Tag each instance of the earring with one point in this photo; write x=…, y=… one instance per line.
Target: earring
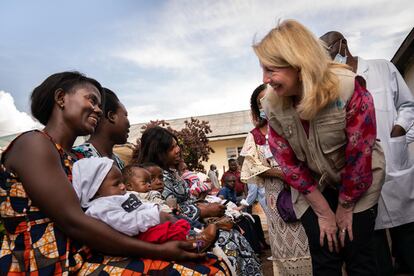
x=61, y=105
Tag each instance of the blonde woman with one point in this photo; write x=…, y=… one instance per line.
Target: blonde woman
x=288, y=241
x=322, y=133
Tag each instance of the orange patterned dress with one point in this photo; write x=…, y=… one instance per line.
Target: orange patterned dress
x=34, y=245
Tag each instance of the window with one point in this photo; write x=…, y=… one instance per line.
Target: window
x=233, y=152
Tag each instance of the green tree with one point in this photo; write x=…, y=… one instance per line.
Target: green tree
x=192, y=140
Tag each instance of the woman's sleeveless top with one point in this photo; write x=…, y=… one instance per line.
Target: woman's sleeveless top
x=33, y=243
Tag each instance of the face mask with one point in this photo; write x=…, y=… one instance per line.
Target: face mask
x=262, y=114
x=340, y=58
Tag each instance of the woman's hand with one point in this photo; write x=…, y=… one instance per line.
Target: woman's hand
x=328, y=228
x=326, y=219
x=211, y=210
x=180, y=251
x=344, y=222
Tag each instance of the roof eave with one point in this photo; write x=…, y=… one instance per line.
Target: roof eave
x=404, y=54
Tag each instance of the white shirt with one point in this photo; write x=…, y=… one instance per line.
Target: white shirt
x=394, y=104
x=212, y=175
x=125, y=213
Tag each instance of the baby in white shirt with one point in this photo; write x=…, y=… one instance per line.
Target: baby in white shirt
x=100, y=188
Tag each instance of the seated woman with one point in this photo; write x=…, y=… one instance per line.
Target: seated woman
x=113, y=129
x=47, y=234
x=160, y=146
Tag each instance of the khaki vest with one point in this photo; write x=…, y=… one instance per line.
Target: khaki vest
x=324, y=150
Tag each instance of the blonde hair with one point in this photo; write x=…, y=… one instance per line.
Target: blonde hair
x=291, y=44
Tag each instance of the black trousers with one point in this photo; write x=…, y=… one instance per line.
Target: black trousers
x=403, y=244
x=402, y=238
x=383, y=253
x=358, y=255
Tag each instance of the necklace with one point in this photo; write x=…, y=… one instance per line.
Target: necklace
x=71, y=155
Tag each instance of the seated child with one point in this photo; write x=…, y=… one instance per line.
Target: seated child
x=157, y=178
x=157, y=187
x=251, y=227
x=199, y=188
x=138, y=178
x=228, y=192
x=99, y=186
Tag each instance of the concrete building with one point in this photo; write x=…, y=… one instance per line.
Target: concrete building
x=229, y=130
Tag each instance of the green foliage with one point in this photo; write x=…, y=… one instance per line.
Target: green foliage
x=192, y=140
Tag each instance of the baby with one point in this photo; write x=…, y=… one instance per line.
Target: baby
x=99, y=186
x=157, y=178
x=147, y=181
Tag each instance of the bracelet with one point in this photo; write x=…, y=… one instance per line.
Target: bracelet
x=347, y=204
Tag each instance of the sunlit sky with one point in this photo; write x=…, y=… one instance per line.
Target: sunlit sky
x=170, y=59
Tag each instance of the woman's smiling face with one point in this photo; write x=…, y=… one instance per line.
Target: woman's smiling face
x=284, y=80
x=82, y=108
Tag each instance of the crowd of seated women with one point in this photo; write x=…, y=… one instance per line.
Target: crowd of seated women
x=47, y=230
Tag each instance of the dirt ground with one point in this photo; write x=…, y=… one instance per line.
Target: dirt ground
x=267, y=266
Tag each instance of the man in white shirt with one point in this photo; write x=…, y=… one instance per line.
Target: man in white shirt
x=213, y=176
x=394, y=109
